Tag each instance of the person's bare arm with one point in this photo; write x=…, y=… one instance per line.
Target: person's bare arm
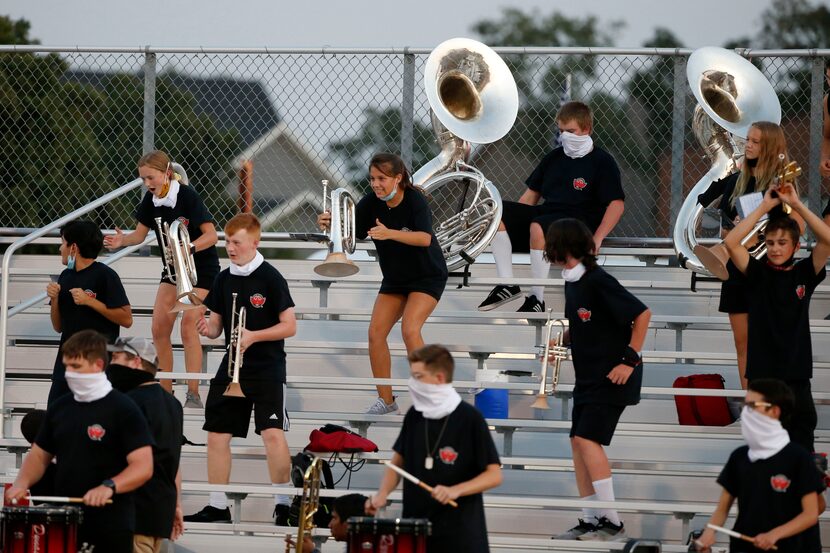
x=139, y=469
x=530, y=197
x=34, y=465
x=387, y=484
x=122, y=316
x=612, y=216
x=707, y=539
x=120, y=240
x=737, y=252
x=491, y=477
x=208, y=238
x=285, y=328
x=821, y=252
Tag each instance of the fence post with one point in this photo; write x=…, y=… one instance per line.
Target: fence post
x=408, y=109
x=678, y=136
x=816, y=121
x=149, y=101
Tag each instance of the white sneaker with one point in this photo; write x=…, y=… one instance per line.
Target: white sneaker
x=380, y=407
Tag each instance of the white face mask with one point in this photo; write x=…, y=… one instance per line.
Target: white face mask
x=575, y=145
x=574, y=274
x=764, y=435
x=434, y=401
x=390, y=195
x=170, y=199
x=88, y=387
x=248, y=268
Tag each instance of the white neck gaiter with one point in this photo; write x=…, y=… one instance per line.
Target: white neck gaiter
x=764, y=435
x=434, y=401
x=248, y=268
x=87, y=387
x=575, y=145
x=170, y=199
x=574, y=274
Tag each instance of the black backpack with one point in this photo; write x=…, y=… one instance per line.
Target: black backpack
x=299, y=464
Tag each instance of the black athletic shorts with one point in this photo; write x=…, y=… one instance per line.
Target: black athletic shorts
x=232, y=415
x=432, y=286
x=595, y=421
x=204, y=277
x=733, y=292
x=518, y=217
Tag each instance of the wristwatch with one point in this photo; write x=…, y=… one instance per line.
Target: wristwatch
x=631, y=357
x=109, y=484
x=192, y=249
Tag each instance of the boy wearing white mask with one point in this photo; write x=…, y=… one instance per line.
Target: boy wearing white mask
x=446, y=444
x=102, y=443
x=576, y=180
x=774, y=480
x=608, y=378
x=257, y=286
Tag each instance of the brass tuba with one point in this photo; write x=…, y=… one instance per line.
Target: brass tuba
x=731, y=94
x=309, y=504
x=175, y=251
x=473, y=98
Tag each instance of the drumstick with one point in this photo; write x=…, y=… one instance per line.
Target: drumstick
x=56, y=499
x=734, y=534
x=414, y=480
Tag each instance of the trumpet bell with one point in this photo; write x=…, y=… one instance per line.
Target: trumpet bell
x=471, y=90
x=336, y=265
x=186, y=302
x=541, y=402
x=233, y=390
x=714, y=259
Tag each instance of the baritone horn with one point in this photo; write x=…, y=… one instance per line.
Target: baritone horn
x=175, y=250
x=731, y=94
x=238, y=320
x=308, y=505
x=473, y=99
x=559, y=352
x=342, y=234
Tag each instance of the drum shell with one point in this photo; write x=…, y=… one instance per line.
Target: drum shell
x=39, y=529
x=394, y=535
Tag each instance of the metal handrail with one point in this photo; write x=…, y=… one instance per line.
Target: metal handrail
x=31, y=237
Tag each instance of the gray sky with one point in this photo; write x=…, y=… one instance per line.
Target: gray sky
x=355, y=23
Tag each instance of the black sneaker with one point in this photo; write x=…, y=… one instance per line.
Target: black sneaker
x=577, y=531
x=499, y=296
x=281, y=513
x=605, y=531
x=210, y=514
x=532, y=305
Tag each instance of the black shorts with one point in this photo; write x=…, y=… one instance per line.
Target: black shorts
x=518, y=217
x=232, y=415
x=204, y=276
x=803, y=420
x=433, y=286
x=595, y=421
x=733, y=292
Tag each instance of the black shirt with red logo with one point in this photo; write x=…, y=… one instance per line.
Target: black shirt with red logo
x=99, y=282
x=600, y=313
x=581, y=187
x=264, y=294
x=91, y=442
x=779, y=344
x=190, y=210
x=769, y=493
x=460, y=450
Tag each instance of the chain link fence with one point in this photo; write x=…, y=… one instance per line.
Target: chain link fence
x=74, y=123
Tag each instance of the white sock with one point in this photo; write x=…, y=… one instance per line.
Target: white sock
x=605, y=492
x=502, y=250
x=280, y=499
x=218, y=500
x=589, y=514
x=539, y=268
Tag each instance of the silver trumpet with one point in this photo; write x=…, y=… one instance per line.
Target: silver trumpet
x=234, y=353
x=560, y=353
x=175, y=251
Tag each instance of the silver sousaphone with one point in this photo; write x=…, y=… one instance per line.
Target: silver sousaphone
x=731, y=94
x=474, y=99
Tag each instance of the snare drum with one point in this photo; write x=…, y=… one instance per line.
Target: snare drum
x=39, y=529
x=388, y=535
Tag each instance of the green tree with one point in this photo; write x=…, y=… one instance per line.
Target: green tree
x=795, y=24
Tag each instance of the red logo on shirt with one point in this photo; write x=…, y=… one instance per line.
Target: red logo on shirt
x=779, y=482
x=580, y=183
x=584, y=314
x=90, y=293
x=95, y=432
x=184, y=220
x=800, y=290
x=448, y=455
x=257, y=300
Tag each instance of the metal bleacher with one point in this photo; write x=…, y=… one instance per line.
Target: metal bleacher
x=664, y=472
